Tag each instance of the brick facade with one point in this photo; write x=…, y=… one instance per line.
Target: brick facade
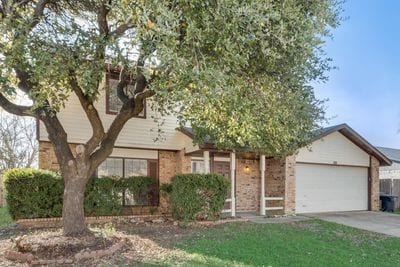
x=247, y=185
x=280, y=179
x=374, y=185
x=290, y=185
x=167, y=166
x=47, y=157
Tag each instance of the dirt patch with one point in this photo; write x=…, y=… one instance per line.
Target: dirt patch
x=146, y=242
x=53, y=245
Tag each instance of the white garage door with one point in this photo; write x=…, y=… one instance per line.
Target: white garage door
x=324, y=188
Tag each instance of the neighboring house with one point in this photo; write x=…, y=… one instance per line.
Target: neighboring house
x=338, y=172
x=393, y=171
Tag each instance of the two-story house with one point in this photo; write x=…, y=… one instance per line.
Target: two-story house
x=338, y=172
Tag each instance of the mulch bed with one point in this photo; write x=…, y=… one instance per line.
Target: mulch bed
x=52, y=245
x=143, y=242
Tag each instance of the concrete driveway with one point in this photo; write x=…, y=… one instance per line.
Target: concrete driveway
x=380, y=222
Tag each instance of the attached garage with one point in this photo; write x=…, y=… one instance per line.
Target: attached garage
x=324, y=188
x=333, y=173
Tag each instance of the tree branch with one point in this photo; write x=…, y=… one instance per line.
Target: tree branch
x=91, y=113
x=38, y=12
x=121, y=29
x=24, y=80
x=14, y=108
x=58, y=137
x=102, y=19
x=128, y=111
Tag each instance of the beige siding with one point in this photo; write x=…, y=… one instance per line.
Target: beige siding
x=137, y=133
x=135, y=153
x=334, y=149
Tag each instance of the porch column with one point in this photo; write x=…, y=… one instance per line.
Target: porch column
x=206, y=158
x=233, y=173
x=262, y=199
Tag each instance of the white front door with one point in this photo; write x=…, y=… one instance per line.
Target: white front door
x=326, y=188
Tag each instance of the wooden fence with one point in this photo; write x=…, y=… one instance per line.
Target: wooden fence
x=392, y=187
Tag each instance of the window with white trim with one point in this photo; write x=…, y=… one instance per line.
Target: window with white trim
x=128, y=167
x=197, y=166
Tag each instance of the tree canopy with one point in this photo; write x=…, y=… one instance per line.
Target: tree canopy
x=238, y=71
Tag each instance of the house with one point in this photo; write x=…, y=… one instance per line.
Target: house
x=393, y=171
x=338, y=172
x=390, y=175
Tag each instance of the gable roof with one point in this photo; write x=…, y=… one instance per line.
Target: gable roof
x=344, y=129
x=392, y=153
x=357, y=139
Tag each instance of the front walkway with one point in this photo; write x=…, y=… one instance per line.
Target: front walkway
x=256, y=218
x=380, y=222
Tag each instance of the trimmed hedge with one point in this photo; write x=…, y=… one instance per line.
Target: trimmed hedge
x=38, y=193
x=198, y=196
x=33, y=193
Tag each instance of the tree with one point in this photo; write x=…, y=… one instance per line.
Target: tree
x=238, y=71
x=18, y=146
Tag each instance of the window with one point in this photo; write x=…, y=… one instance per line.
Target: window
x=126, y=167
x=113, y=103
x=197, y=166
x=111, y=167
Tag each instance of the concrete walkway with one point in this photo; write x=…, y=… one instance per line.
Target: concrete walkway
x=255, y=218
x=380, y=222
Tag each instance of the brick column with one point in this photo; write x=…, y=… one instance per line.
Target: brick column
x=262, y=191
x=374, y=184
x=290, y=185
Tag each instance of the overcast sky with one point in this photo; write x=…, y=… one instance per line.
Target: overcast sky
x=364, y=91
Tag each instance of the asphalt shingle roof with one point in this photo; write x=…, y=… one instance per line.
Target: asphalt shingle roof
x=392, y=153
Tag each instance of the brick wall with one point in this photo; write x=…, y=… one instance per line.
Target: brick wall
x=47, y=157
x=290, y=185
x=374, y=185
x=167, y=167
x=247, y=185
x=275, y=173
x=183, y=162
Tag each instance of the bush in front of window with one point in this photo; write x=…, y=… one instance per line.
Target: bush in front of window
x=38, y=193
x=103, y=196
x=198, y=196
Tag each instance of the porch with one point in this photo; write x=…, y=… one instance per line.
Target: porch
x=260, y=185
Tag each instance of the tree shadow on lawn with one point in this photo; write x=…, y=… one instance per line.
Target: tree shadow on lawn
x=308, y=243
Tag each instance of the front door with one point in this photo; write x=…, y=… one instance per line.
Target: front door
x=223, y=168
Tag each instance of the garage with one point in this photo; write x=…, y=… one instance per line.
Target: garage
x=332, y=173
x=325, y=188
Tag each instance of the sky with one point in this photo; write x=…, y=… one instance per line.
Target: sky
x=364, y=90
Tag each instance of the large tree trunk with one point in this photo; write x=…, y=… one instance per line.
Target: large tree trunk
x=73, y=206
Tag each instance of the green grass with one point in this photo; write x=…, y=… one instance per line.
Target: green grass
x=5, y=218
x=310, y=243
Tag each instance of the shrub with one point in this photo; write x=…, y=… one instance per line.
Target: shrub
x=103, y=196
x=33, y=193
x=38, y=194
x=140, y=187
x=198, y=196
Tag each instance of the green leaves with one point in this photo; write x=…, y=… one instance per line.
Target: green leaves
x=237, y=71
x=197, y=196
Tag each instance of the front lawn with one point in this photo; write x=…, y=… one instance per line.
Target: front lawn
x=5, y=218
x=306, y=243
x=309, y=243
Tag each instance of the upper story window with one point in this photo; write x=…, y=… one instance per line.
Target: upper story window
x=113, y=103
